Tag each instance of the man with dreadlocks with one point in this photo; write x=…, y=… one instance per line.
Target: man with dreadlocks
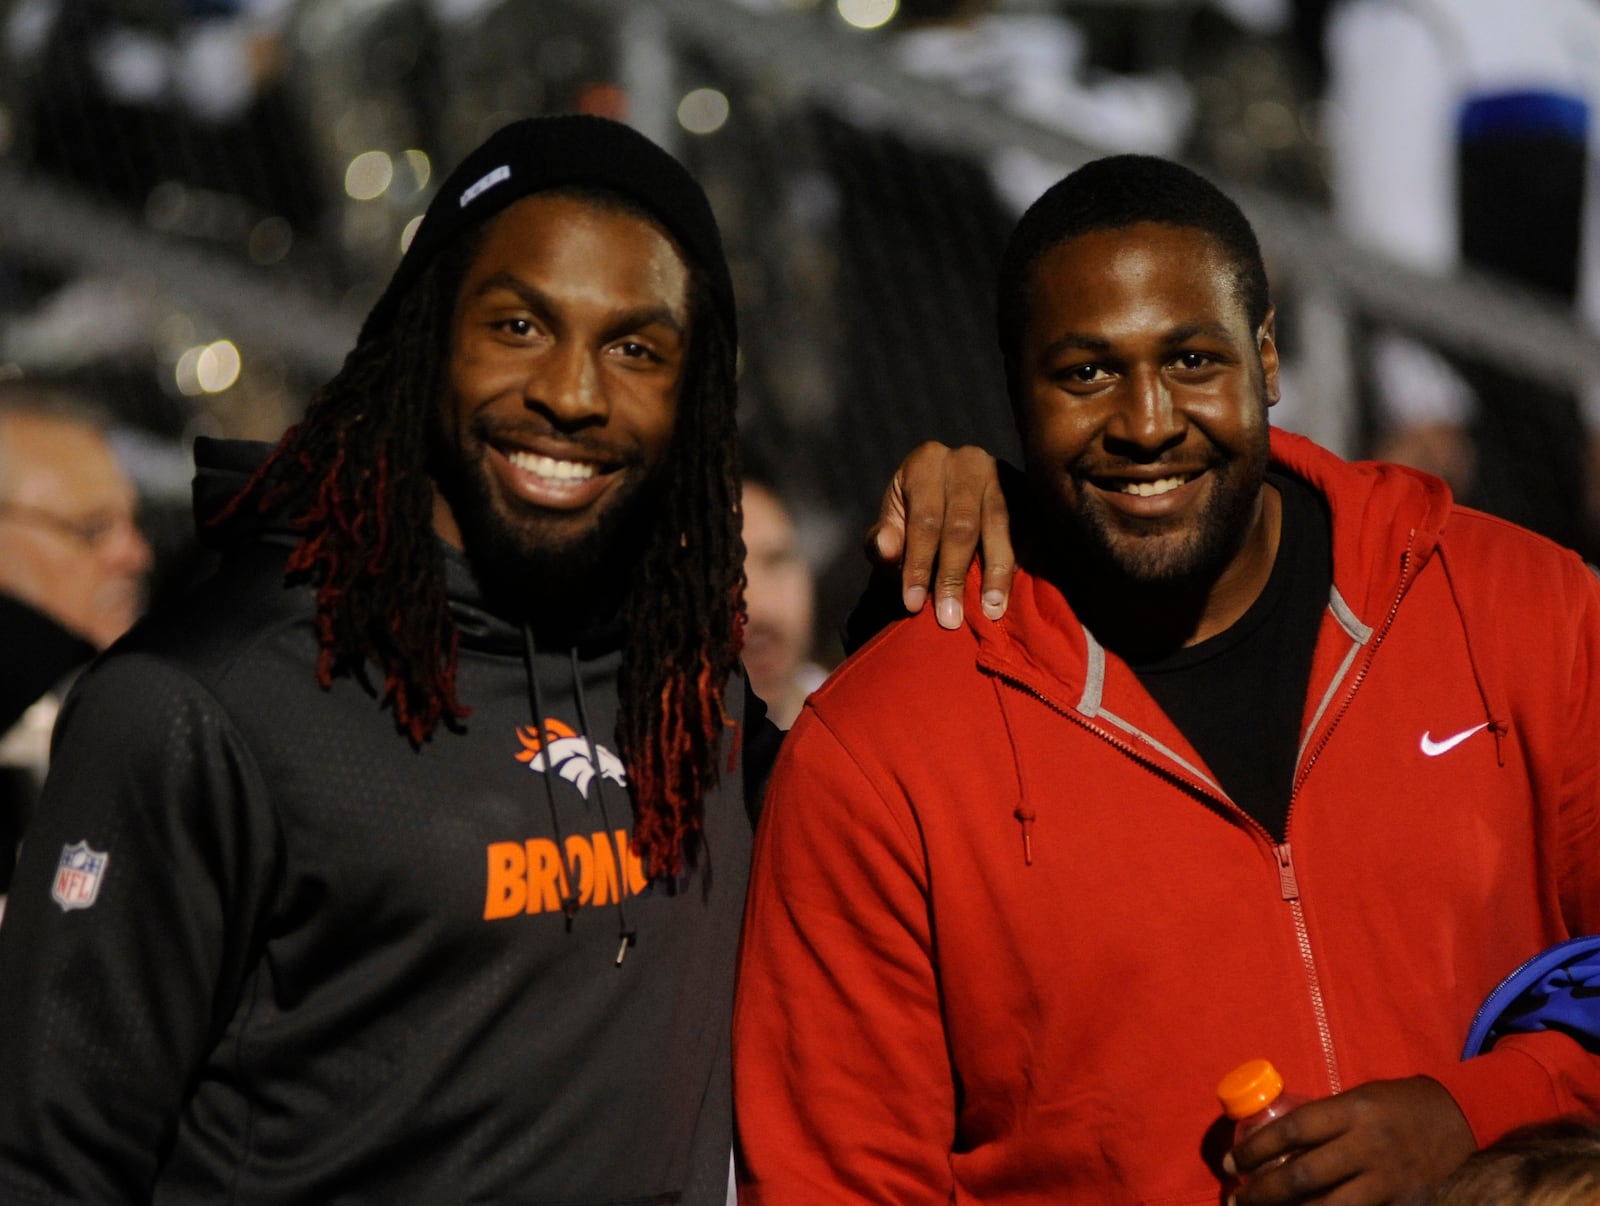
x=264, y=948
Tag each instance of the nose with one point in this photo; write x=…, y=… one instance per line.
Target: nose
x=1147, y=421
x=757, y=586
x=566, y=385
x=126, y=550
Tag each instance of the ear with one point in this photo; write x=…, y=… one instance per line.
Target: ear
x=1267, y=346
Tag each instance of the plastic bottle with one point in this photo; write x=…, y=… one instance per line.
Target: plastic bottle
x=1252, y=1095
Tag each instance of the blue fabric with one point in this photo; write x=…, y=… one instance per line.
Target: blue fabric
x=1558, y=989
x=1524, y=114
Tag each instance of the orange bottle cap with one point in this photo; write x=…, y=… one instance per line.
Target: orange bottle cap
x=1249, y=1087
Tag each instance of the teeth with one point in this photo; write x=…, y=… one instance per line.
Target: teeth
x=1151, y=489
x=548, y=466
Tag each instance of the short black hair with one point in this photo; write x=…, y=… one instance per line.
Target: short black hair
x=1110, y=194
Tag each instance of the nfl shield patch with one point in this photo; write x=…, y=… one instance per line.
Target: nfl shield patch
x=78, y=876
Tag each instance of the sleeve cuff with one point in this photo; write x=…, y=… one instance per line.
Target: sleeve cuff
x=1501, y=1090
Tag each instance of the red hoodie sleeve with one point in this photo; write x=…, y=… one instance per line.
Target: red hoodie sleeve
x=1528, y=1078
x=1525, y=1078
x=842, y=1082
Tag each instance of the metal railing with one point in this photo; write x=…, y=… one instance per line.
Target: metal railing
x=816, y=63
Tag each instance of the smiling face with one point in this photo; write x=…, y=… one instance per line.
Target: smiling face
x=569, y=343
x=1142, y=401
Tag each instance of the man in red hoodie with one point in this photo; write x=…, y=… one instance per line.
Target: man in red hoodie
x=1271, y=756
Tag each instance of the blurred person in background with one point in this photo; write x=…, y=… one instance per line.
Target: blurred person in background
x=73, y=566
x=70, y=544
x=1462, y=133
x=1036, y=62
x=176, y=95
x=780, y=601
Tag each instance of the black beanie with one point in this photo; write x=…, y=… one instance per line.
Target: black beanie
x=541, y=153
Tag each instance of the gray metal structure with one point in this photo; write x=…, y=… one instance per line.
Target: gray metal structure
x=786, y=62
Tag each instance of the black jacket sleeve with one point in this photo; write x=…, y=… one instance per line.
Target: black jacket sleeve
x=115, y=987
x=39, y=653
x=762, y=740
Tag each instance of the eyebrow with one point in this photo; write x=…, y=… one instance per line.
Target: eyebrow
x=1075, y=340
x=541, y=304
x=1199, y=330
x=1096, y=345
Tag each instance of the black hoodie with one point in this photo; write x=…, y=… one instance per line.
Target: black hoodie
x=261, y=949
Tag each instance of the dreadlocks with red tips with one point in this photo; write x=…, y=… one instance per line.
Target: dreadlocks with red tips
x=354, y=477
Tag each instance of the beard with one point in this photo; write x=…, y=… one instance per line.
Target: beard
x=1127, y=556
x=1193, y=557
x=533, y=567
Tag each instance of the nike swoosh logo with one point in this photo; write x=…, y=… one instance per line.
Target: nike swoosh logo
x=1434, y=748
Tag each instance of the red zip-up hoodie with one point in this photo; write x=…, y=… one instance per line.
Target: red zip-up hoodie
x=1005, y=931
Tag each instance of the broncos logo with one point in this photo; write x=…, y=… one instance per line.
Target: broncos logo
x=561, y=747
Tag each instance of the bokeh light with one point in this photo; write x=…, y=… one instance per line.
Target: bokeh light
x=369, y=175
x=703, y=111
x=209, y=369
x=421, y=167
x=868, y=14
x=270, y=240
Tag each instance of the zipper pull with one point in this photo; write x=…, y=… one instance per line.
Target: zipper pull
x=1025, y=817
x=1286, y=880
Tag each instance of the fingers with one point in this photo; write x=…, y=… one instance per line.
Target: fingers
x=975, y=517
x=1375, y=1143
x=965, y=482
x=942, y=506
x=1309, y=1175
x=1305, y=1126
x=910, y=518
x=999, y=562
x=886, y=537
x=1292, y=1158
x=927, y=494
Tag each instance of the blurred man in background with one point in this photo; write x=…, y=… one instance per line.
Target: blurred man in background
x=1460, y=135
x=780, y=598
x=70, y=549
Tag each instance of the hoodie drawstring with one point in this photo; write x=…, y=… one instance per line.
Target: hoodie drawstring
x=569, y=898
x=625, y=933
x=569, y=901
x=1023, y=812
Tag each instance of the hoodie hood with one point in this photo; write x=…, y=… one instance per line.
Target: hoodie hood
x=1382, y=514
x=221, y=469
